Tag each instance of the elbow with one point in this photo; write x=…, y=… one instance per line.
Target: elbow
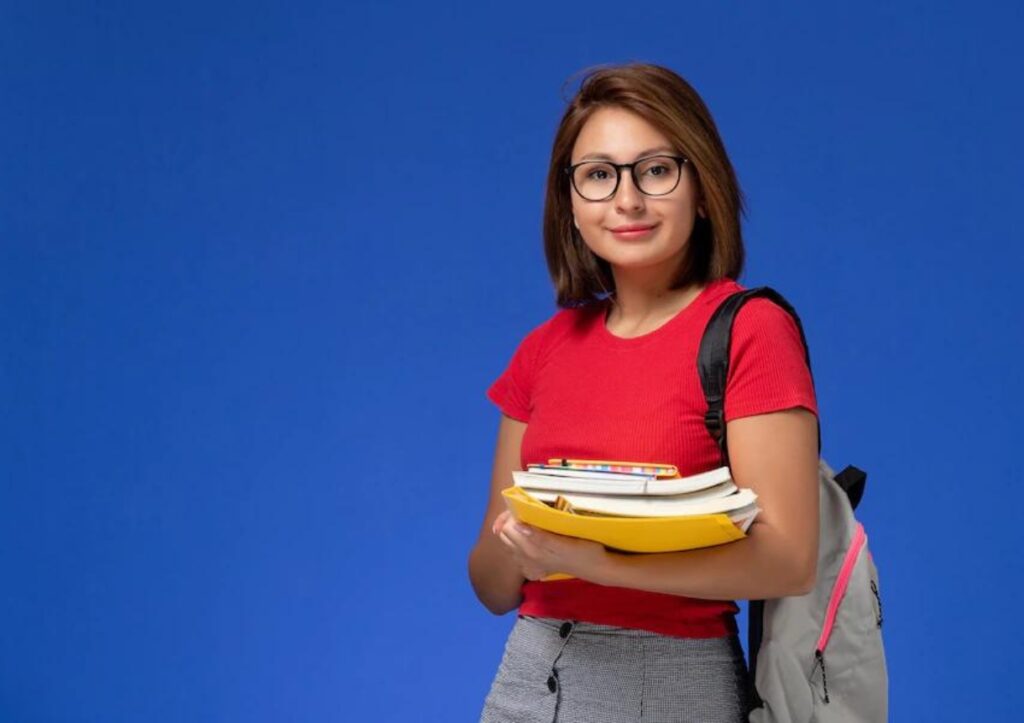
x=500, y=607
x=796, y=574
x=804, y=568
x=804, y=588
x=498, y=596
x=793, y=570
x=496, y=602
x=806, y=576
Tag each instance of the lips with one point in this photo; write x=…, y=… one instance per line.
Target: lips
x=633, y=231
x=633, y=227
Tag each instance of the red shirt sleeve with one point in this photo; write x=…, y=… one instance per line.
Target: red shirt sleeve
x=767, y=369
x=512, y=391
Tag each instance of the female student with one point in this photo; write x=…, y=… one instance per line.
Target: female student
x=642, y=239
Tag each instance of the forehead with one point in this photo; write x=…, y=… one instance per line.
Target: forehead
x=618, y=134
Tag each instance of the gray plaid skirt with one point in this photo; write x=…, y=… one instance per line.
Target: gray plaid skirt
x=578, y=672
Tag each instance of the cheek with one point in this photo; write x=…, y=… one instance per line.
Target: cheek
x=582, y=214
x=591, y=220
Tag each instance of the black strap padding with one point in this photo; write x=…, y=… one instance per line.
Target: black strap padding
x=852, y=480
x=755, y=631
x=713, y=358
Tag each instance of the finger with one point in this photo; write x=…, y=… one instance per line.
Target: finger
x=499, y=522
x=511, y=544
x=527, y=567
x=538, y=539
x=506, y=540
x=507, y=521
x=525, y=543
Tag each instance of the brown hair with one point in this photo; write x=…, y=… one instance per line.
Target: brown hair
x=670, y=104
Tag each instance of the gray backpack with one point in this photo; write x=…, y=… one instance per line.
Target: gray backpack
x=815, y=657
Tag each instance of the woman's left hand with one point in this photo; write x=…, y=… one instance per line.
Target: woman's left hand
x=541, y=553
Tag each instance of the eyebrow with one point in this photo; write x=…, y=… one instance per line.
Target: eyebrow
x=641, y=154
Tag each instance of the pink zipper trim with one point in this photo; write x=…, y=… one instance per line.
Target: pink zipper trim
x=839, y=588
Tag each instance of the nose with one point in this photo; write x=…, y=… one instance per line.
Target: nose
x=628, y=197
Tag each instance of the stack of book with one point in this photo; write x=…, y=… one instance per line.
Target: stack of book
x=632, y=506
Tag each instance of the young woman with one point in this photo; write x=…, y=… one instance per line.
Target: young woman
x=642, y=238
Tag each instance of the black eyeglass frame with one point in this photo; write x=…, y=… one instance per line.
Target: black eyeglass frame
x=570, y=171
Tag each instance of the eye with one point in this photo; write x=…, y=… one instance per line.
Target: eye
x=656, y=170
x=598, y=174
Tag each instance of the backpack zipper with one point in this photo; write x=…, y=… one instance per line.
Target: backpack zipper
x=838, y=590
x=874, y=589
x=820, y=657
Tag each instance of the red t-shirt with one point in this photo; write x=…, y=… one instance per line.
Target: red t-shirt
x=588, y=394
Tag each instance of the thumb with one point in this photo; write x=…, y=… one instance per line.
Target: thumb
x=499, y=521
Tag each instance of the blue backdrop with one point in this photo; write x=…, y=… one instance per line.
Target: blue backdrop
x=259, y=262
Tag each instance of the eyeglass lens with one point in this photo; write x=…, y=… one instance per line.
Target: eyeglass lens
x=657, y=175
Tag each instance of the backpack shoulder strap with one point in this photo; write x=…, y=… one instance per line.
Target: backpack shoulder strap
x=713, y=358
x=713, y=365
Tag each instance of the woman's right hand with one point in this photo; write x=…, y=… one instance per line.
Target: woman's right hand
x=528, y=569
x=493, y=571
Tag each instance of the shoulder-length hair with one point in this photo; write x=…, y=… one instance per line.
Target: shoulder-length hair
x=670, y=104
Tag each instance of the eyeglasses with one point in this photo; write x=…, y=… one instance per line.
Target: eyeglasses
x=599, y=180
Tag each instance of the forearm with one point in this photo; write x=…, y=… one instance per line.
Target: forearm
x=756, y=567
x=496, y=578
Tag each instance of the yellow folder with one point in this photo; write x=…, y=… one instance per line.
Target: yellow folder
x=629, y=534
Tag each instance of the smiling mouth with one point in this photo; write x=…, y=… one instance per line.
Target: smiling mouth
x=633, y=233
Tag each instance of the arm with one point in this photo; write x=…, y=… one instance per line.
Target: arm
x=775, y=455
x=493, y=571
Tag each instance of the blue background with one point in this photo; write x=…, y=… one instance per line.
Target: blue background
x=259, y=262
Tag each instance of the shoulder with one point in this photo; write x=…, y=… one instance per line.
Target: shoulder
x=761, y=308
x=761, y=326
x=768, y=367
x=559, y=326
x=561, y=323
x=541, y=335
x=758, y=315
x=762, y=317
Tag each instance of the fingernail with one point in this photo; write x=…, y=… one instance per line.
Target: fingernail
x=524, y=529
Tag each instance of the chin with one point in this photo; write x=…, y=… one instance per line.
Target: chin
x=640, y=257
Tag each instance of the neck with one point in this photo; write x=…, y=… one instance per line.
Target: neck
x=643, y=294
